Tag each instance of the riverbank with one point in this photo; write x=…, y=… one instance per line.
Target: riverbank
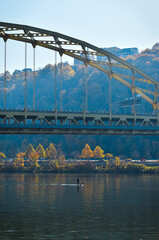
x=86, y=167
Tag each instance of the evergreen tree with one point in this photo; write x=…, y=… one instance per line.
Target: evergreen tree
x=51, y=152
x=98, y=152
x=40, y=150
x=87, y=152
x=29, y=150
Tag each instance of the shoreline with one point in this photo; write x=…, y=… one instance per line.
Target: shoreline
x=85, y=168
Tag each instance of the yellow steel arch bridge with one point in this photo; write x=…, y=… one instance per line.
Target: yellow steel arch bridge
x=59, y=122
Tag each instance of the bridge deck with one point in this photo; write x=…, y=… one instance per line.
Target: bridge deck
x=53, y=122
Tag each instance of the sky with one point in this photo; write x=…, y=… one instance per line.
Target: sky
x=103, y=23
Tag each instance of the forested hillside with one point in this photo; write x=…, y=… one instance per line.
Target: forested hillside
x=130, y=146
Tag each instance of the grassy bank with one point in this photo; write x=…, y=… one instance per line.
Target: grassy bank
x=86, y=167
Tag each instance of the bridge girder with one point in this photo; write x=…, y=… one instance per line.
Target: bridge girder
x=82, y=51
x=48, y=122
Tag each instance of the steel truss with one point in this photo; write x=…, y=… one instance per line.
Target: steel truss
x=84, y=51
x=40, y=122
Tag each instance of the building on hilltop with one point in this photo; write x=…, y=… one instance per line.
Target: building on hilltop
x=124, y=52
x=128, y=52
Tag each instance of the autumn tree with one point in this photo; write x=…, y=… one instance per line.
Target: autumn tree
x=19, y=160
x=2, y=156
x=29, y=150
x=61, y=159
x=40, y=150
x=117, y=161
x=87, y=152
x=68, y=71
x=98, y=152
x=109, y=156
x=51, y=152
x=34, y=159
x=54, y=165
x=107, y=164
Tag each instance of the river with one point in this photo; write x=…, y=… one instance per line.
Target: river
x=51, y=206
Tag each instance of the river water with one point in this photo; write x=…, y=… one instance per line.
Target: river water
x=50, y=206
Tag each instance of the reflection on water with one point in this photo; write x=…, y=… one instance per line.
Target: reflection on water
x=50, y=206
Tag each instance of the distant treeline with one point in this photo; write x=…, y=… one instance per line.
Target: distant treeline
x=52, y=153
x=135, y=147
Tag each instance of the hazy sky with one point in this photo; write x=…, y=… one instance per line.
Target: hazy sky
x=121, y=23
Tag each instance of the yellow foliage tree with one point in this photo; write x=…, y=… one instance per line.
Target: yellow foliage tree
x=19, y=160
x=109, y=155
x=61, y=158
x=56, y=164
x=2, y=156
x=40, y=150
x=107, y=164
x=29, y=150
x=98, y=152
x=68, y=72
x=117, y=161
x=51, y=152
x=34, y=159
x=87, y=152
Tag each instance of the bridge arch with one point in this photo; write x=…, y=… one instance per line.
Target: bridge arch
x=83, y=51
